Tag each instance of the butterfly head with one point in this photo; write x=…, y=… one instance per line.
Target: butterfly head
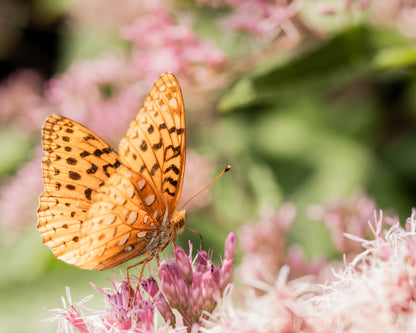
x=178, y=221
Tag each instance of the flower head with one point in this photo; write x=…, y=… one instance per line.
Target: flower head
x=263, y=243
x=192, y=286
x=194, y=290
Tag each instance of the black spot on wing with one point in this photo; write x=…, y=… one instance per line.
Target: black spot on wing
x=84, y=154
x=170, y=180
x=74, y=175
x=93, y=169
x=172, y=152
x=172, y=194
x=155, y=167
x=115, y=165
x=172, y=167
x=69, y=160
x=143, y=146
x=89, y=137
x=88, y=193
x=158, y=145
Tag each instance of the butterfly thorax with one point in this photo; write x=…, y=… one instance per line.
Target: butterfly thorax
x=166, y=234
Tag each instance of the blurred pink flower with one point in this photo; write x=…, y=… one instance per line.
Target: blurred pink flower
x=325, y=8
x=160, y=44
x=373, y=292
x=21, y=101
x=19, y=198
x=102, y=94
x=347, y=217
x=264, y=243
x=299, y=265
x=265, y=19
x=198, y=171
x=112, y=15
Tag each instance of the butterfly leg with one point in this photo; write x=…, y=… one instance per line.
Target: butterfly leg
x=144, y=262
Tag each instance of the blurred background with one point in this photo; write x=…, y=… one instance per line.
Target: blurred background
x=309, y=101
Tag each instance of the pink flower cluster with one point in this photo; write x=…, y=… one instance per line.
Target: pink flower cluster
x=264, y=19
x=193, y=289
x=160, y=45
x=376, y=290
x=348, y=217
x=264, y=246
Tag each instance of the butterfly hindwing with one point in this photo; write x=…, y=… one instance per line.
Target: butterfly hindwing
x=155, y=142
x=122, y=222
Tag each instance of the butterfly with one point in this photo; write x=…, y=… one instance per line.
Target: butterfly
x=99, y=208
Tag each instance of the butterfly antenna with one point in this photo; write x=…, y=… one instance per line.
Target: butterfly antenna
x=228, y=168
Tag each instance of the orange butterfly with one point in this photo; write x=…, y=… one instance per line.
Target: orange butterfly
x=99, y=208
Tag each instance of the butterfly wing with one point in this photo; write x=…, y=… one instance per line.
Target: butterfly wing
x=155, y=141
x=76, y=165
x=121, y=223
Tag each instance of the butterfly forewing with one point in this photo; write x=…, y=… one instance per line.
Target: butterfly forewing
x=155, y=142
x=100, y=209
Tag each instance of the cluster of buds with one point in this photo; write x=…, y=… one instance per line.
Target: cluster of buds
x=192, y=286
x=192, y=289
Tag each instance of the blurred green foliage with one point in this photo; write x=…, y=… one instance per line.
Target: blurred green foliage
x=323, y=123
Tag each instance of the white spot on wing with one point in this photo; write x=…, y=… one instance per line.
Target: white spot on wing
x=109, y=219
x=132, y=217
x=119, y=199
x=141, y=234
x=128, y=248
x=150, y=199
x=141, y=183
x=130, y=191
x=124, y=239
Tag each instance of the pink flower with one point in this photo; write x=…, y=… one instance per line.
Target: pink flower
x=263, y=243
x=324, y=8
x=300, y=266
x=102, y=94
x=21, y=100
x=193, y=290
x=19, y=198
x=198, y=174
x=264, y=19
x=152, y=288
x=112, y=15
x=372, y=292
x=160, y=45
x=346, y=217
